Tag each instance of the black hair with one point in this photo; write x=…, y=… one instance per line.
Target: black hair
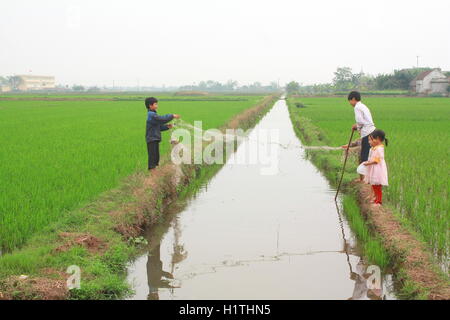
x=150, y=101
x=379, y=134
x=354, y=94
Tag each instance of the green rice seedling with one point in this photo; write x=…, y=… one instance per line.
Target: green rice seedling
x=373, y=248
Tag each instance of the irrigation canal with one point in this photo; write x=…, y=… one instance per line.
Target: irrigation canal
x=248, y=235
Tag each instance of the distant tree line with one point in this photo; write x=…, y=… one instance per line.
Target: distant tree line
x=345, y=80
x=3, y=81
x=11, y=81
x=230, y=85
x=79, y=88
x=206, y=86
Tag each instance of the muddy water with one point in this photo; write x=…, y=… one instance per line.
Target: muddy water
x=252, y=236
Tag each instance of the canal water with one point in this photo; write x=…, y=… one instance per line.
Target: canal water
x=252, y=235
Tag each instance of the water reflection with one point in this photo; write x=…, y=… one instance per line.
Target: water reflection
x=361, y=290
x=157, y=278
x=163, y=278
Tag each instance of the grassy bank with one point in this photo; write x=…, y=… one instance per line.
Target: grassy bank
x=102, y=236
x=319, y=122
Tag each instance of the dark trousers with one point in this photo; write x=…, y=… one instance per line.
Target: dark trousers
x=365, y=148
x=153, y=154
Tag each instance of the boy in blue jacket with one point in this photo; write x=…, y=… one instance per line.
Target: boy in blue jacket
x=155, y=124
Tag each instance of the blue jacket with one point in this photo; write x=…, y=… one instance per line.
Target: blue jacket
x=156, y=124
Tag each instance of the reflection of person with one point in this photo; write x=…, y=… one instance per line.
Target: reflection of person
x=361, y=290
x=155, y=273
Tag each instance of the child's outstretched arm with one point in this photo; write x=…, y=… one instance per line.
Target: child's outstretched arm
x=164, y=127
x=163, y=119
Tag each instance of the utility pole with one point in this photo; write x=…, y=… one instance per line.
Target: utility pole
x=417, y=61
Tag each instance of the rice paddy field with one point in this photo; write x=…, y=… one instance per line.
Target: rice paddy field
x=417, y=155
x=59, y=153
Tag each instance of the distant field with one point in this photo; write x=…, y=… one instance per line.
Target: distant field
x=417, y=156
x=58, y=155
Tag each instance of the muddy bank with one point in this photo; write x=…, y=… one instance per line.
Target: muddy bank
x=104, y=235
x=417, y=274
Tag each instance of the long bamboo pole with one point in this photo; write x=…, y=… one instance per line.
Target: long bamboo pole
x=345, y=162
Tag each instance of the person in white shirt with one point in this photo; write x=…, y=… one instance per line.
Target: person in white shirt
x=364, y=124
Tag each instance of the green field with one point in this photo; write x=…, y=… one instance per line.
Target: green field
x=417, y=155
x=57, y=156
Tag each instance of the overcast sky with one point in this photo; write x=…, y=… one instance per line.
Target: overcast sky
x=172, y=42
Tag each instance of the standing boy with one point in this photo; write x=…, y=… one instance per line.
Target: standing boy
x=364, y=124
x=155, y=124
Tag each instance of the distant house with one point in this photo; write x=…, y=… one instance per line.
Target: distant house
x=430, y=82
x=32, y=82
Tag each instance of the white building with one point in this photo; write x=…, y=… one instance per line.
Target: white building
x=32, y=82
x=430, y=82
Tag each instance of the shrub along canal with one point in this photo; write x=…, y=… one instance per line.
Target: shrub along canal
x=246, y=235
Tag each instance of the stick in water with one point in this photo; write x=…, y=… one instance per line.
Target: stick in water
x=343, y=167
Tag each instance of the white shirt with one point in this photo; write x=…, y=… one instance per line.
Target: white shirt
x=363, y=119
